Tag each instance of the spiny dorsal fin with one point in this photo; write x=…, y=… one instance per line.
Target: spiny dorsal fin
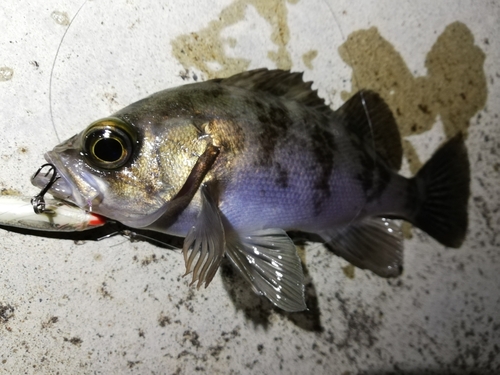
x=370, y=118
x=281, y=83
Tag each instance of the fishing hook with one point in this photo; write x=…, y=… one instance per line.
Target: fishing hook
x=37, y=201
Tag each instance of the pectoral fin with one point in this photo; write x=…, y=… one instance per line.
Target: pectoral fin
x=205, y=243
x=268, y=260
x=375, y=244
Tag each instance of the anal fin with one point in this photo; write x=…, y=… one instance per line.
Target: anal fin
x=268, y=260
x=374, y=243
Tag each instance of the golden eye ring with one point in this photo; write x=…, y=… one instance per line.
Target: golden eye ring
x=108, y=143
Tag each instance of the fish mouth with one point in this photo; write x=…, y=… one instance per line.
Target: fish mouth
x=64, y=187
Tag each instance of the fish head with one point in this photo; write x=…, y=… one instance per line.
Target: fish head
x=126, y=168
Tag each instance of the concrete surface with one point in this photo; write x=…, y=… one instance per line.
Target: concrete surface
x=116, y=306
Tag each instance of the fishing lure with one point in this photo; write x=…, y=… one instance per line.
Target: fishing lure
x=57, y=216
x=39, y=213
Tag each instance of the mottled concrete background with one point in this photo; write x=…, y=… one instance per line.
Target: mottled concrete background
x=115, y=306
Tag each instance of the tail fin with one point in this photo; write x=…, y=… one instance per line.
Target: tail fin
x=443, y=188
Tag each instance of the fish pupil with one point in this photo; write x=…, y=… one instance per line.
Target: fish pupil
x=108, y=149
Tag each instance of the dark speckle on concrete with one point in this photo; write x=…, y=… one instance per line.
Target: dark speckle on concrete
x=50, y=322
x=73, y=340
x=163, y=320
x=132, y=364
x=6, y=312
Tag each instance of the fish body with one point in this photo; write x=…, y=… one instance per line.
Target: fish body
x=233, y=164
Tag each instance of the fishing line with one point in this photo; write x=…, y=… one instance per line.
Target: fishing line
x=363, y=101
x=37, y=202
x=132, y=236
x=53, y=66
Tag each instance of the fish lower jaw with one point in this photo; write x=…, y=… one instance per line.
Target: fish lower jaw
x=66, y=189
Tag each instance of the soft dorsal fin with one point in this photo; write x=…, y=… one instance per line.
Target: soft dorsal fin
x=370, y=118
x=280, y=83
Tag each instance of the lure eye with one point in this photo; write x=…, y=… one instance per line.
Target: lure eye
x=108, y=143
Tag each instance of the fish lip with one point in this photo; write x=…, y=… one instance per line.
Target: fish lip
x=61, y=189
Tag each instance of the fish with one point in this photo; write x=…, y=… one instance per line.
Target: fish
x=233, y=165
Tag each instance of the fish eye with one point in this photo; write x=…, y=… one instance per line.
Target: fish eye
x=108, y=143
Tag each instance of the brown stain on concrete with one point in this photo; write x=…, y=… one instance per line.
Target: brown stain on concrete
x=201, y=48
x=453, y=89
x=349, y=271
x=308, y=58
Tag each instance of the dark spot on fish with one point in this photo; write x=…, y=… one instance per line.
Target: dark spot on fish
x=282, y=179
x=365, y=177
x=263, y=118
x=280, y=117
x=275, y=125
x=257, y=105
x=414, y=193
x=381, y=178
x=323, y=145
x=180, y=105
x=374, y=174
x=149, y=188
x=214, y=92
x=365, y=160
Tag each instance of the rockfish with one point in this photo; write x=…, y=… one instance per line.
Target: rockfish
x=233, y=164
